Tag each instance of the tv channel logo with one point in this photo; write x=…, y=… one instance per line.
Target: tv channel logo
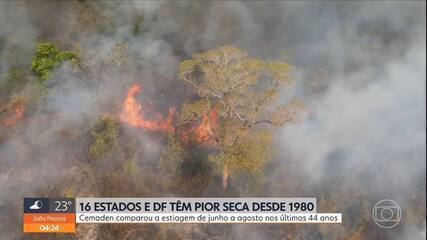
x=387, y=213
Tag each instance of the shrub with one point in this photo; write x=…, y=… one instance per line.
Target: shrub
x=104, y=132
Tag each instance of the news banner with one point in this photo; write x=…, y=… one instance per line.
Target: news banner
x=61, y=214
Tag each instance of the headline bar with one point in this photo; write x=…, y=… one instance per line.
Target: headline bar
x=195, y=205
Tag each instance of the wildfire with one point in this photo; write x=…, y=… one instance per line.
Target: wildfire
x=204, y=132
x=133, y=114
x=14, y=111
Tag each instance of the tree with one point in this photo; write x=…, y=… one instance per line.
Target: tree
x=46, y=58
x=242, y=91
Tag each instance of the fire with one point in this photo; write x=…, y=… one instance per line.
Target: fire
x=204, y=132
x=14, y=111
x=133, y=114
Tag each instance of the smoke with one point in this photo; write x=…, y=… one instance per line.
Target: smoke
x=370, y=118
x=360, y=69
x=383, y=123
x=13, y=16
x=366, y=125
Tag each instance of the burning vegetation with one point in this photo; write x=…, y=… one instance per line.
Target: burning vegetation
x=12, y=111
x=77, y=118
x=134, y=114
x=233, y=92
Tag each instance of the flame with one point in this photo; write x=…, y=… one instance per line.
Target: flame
x=133, y=114
x=204, y=132
x=14, y=111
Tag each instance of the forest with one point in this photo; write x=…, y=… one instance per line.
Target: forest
x=215, y=99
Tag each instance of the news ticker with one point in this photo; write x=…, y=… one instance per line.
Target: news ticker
x=61, y=214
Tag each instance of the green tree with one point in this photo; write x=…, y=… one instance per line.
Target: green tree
x=47, y=57
x=243, y=91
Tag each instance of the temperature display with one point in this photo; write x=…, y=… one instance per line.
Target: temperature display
x=49, y=215
x=62, y=206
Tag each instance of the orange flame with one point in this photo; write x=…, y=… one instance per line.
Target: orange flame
x=204, y=132
x=14, y=111
x=133, y=114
